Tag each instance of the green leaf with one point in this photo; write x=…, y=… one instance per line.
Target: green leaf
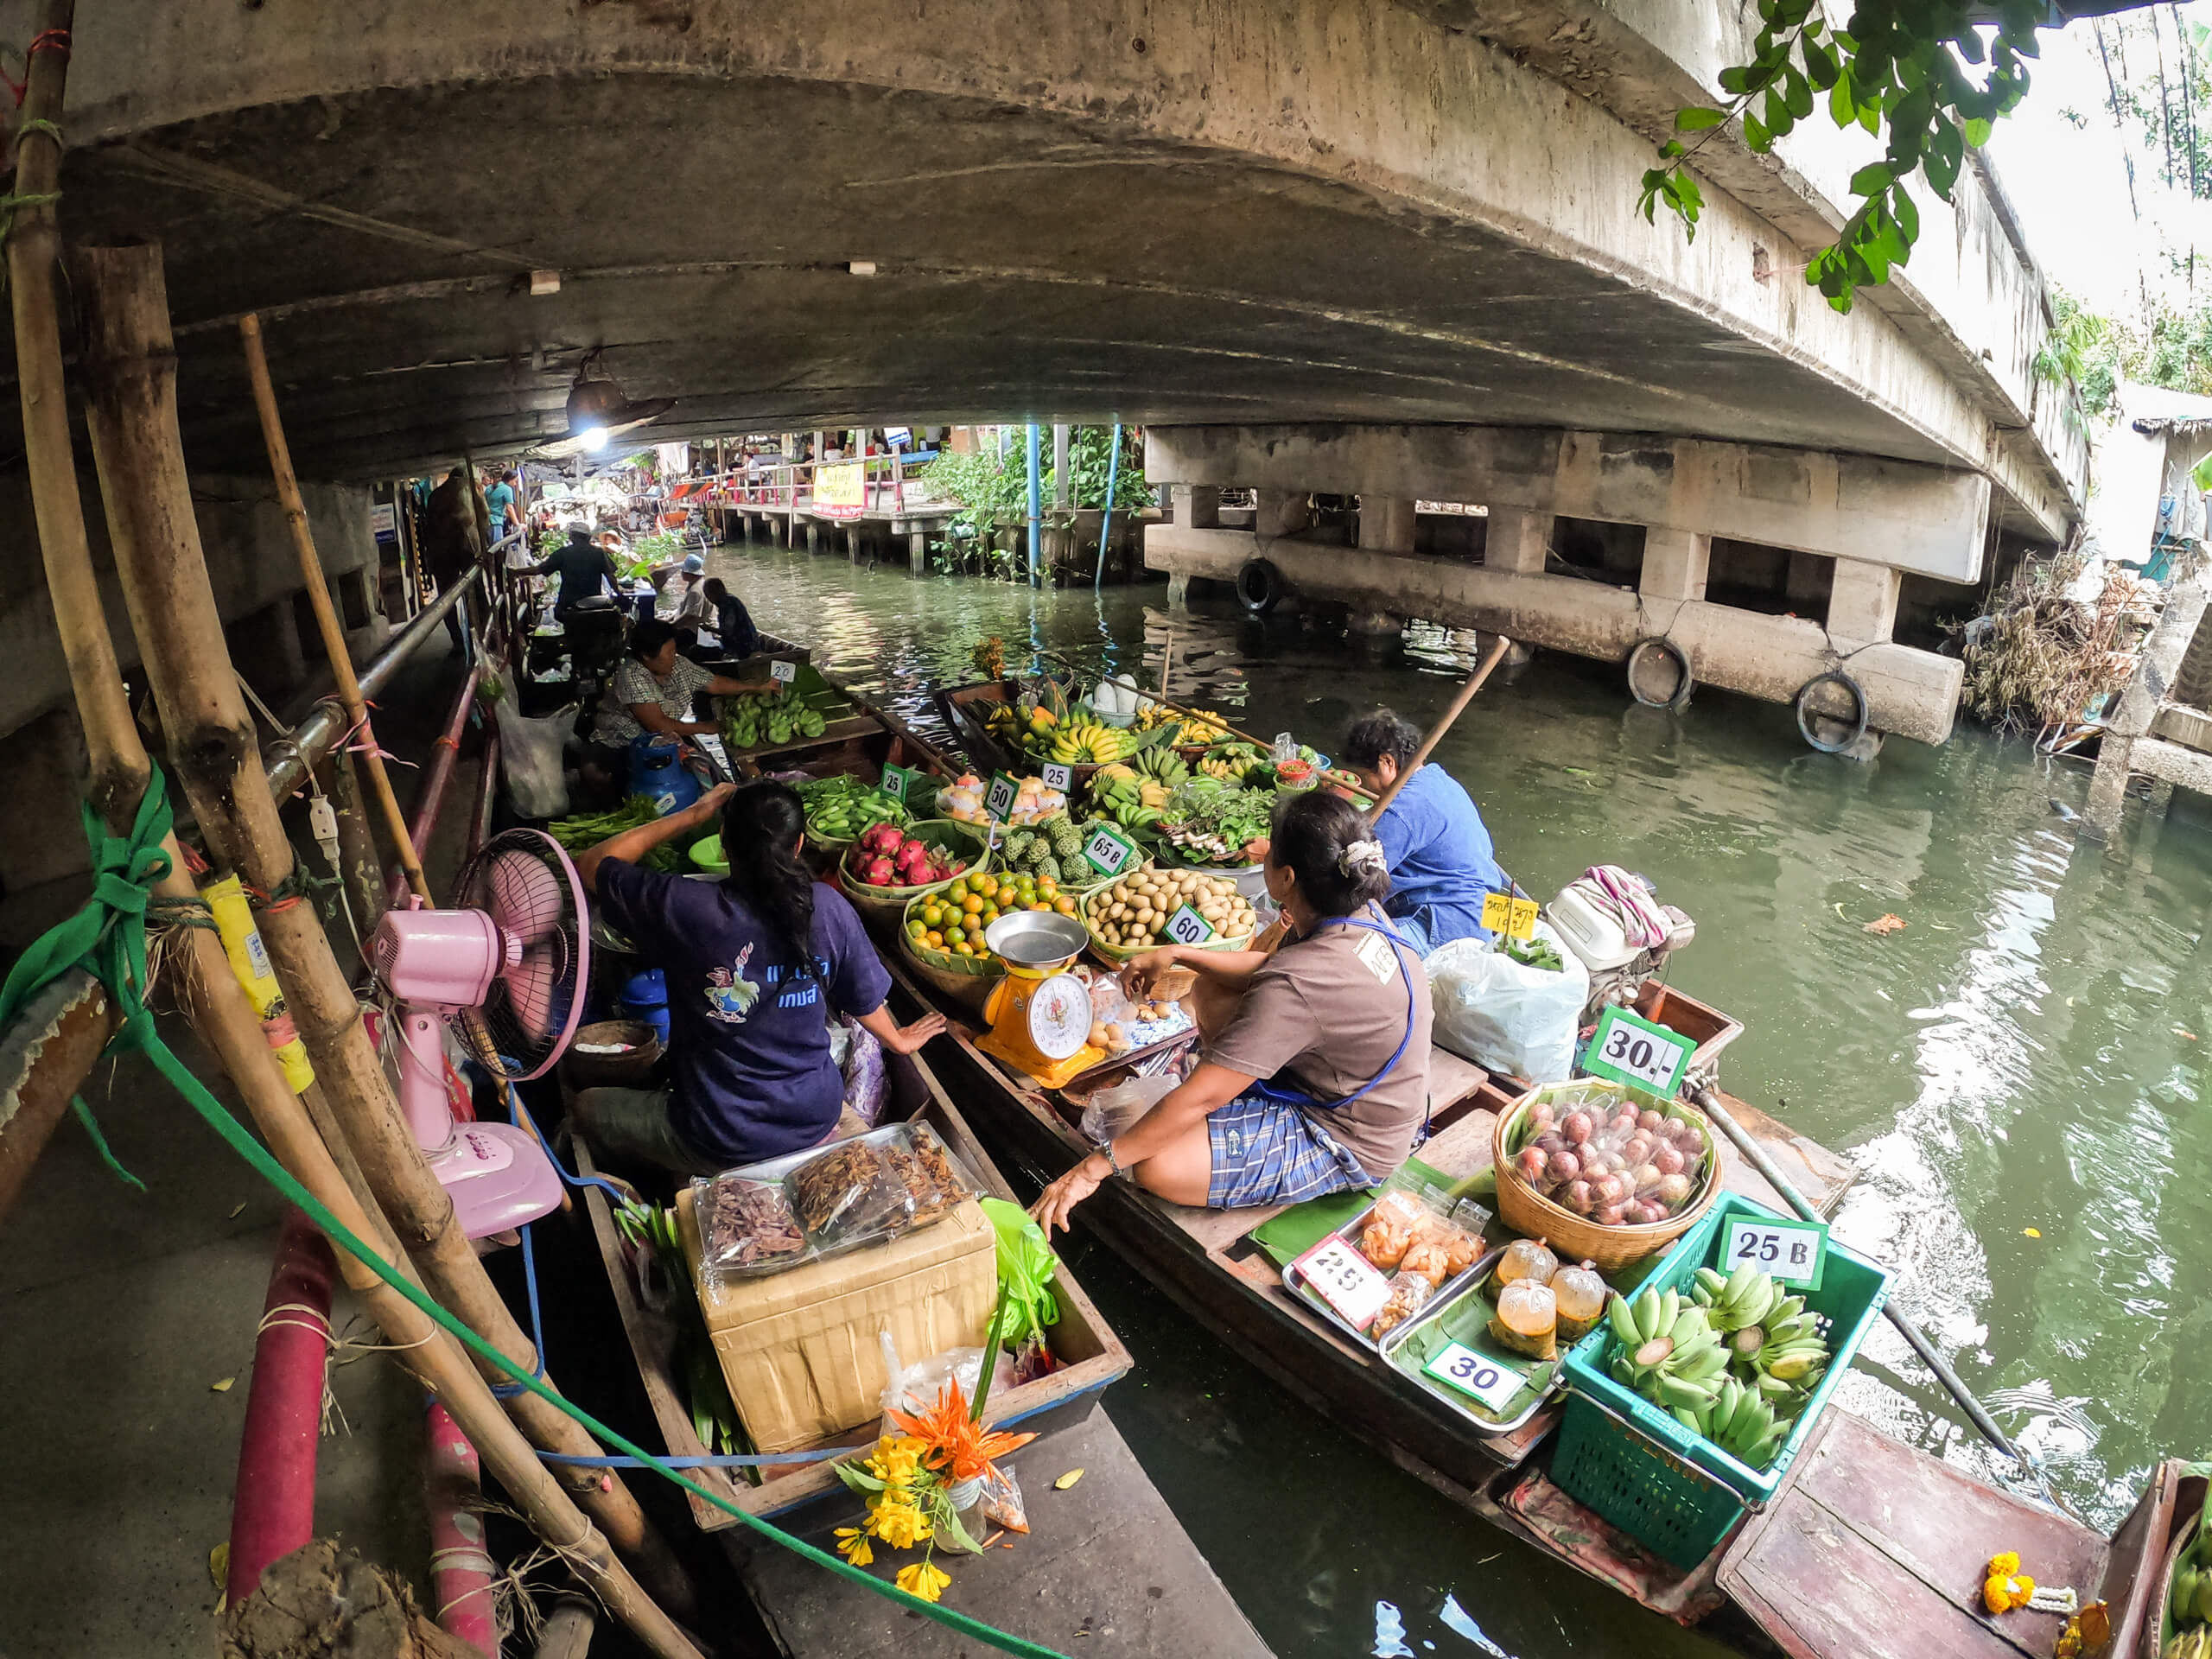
x=1843, y=104
x=1820, y=64
x=1978, y=131
x=1798, y=93
x=1698, y=119
x=1873, y=179
x=1735, y=81
x=1755, y=134
x=1778, y=118
x=1907, y=213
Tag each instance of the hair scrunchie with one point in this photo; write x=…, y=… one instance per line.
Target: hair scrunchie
x=1362, y=856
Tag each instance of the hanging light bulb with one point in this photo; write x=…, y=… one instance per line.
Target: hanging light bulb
x=597, y=409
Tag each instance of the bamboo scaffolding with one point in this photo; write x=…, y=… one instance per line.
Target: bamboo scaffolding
x=326, y=614
x=131, y=414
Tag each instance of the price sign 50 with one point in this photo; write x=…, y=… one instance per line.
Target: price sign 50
x=999, y=799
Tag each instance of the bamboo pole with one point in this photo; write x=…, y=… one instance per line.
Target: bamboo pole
x=359, y=865
x=326, y=614
x=132, y=417
x=1436, y=732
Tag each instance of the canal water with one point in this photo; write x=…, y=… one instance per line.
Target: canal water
x=2015, y=1072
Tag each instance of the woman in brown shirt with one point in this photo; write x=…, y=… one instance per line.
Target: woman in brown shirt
x=1315, y=1077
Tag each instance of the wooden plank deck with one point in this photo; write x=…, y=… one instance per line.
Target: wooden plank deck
x=1106, y=1568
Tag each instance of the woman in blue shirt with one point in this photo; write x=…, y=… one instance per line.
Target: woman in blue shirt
x=1434, y=838
x=756, y=963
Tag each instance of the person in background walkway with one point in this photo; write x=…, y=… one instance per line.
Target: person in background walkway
x=499, y=504
x=756, y=965
x=1439, y=848
x=452, y=544
x=582, y=566
x=732, y=621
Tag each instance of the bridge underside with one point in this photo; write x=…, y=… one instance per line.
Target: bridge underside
x=1028, y=263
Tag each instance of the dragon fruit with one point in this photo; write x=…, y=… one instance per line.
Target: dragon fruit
x=880, y=873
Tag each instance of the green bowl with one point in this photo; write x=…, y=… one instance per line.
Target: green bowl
x=707, y=853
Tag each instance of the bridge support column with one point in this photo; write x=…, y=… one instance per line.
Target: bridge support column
x=1863, y=605
x=1517, y=541
x=1197, y=506
x=1386, y=524
x=1280, y=512
x=813, y=536
x=1674, y=564
x=2127, y=744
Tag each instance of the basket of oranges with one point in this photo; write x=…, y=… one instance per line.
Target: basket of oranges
x=941, y=931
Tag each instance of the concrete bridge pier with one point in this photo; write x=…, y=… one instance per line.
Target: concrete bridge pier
x=1835, y=534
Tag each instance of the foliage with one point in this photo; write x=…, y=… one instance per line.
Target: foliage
x=1899, y=70
x=2161, y=111
x=2085, y=348
x=992, y=492
x=2039, y=659
x=1089, y=453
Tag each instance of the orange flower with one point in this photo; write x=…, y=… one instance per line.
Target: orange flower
x=959, y=1449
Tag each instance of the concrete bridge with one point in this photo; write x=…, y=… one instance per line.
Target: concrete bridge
x=1399, y=218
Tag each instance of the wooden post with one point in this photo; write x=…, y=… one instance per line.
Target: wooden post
x=326, y=614
x=1436, y=732
x=131, y=413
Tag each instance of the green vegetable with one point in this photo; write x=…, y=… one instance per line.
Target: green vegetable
x=1534, y=953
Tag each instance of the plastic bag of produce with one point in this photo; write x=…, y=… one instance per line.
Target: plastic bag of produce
x=1505, y=1015
x=852, y=1191
x=1027, y=1266
x=866, y=1082
x=914, y=1389
x=747, y=1227
x=529, y=758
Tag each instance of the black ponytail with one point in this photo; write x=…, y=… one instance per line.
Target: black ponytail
x=1327, y=843
x=761, y=825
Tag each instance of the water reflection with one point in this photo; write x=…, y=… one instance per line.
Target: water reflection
x=2026, y=1053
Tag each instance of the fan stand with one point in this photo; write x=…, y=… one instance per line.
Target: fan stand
x=497, y=1174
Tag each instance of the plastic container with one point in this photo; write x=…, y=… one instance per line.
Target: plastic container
x=644, y=997
x=1592, y=934
x=657, y=771
x=1671, y=1490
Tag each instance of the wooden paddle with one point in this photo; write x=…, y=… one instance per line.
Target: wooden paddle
x=1436, y=732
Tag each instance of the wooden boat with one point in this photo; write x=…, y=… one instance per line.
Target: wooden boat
x=1044, y=1589
x=1832, y=1566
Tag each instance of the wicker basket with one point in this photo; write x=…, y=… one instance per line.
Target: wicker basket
x=882, y=908
x=967, y=979
x=632, y=1069
x=1574, y=1237
x=1117, y=954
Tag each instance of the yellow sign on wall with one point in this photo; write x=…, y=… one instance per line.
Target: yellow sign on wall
x=841, y=489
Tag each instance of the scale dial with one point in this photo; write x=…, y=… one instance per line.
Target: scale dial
x=1060, y=1016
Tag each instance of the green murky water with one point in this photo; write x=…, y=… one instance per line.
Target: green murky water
x=2025, y=1054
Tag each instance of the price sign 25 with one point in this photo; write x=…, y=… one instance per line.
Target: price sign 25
x=895, y=782
x=1345, y=1279
x=1794, y=1252
x=1057, y=775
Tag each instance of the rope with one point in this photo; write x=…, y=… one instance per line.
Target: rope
x=126, y=868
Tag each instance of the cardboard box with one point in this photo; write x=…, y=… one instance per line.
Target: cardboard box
x=802, y=1350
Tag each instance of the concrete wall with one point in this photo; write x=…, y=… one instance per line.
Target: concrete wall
x=256, y=575
x=1929, y=520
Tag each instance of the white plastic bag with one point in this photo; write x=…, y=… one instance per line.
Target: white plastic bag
x=1506, y=1016
x=1115, y=1111
x=915, y=1388
x=529, y=758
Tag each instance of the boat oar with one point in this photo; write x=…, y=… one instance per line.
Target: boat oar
x=1436, y=732
x=1708, y=1102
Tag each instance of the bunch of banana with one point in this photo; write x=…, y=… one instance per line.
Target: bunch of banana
x=1669, y=1352
x=1773, y=1339
x=1740, y=1421
x=1203, y=726
x=2195, y=1643
x=1078, y=739
x=1130, y=801
x=2191, y=1602
x=1162, y=764
x=1214, y=767
x=1152, y=715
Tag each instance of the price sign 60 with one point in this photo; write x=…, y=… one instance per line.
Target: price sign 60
x=1186, y=926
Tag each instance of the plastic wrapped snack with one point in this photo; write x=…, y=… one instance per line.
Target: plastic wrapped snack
x=852, y=1190
x=1409, y=1294
x=747, y=1226
x=1390, y=1229
x=934, y=1183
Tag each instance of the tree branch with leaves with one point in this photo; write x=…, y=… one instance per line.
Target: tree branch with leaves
x=1920, y=74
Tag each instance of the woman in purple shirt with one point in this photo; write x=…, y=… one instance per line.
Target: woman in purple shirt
x=756, y=963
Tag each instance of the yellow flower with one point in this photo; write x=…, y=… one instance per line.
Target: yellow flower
x=899, y=1523
x=896, y=1459
x=2005, y=1566
x=2001, y=1593
x=853, y=1545
x=924, y=1580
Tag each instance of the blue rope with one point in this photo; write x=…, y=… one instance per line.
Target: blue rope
x=728, y=1460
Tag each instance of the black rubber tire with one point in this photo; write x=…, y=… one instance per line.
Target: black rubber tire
x=1660, y=642
x=1805, y=712
x=1259, y=587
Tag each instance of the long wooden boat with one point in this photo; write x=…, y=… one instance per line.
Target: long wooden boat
x=1114, y=1512
x=1870, y=1548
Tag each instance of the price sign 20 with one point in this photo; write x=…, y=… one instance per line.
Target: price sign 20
x=783, y=672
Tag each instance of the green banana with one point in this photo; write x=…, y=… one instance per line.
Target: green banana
x=1647, y=1317
x=1622, y=1317
x=1677, y=1393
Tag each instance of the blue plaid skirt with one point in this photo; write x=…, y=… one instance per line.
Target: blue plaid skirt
x=1268, y=1151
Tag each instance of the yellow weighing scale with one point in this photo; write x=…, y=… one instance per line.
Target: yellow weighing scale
x=1040, y=1014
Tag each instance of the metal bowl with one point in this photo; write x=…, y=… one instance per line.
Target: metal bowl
x=1036, y=938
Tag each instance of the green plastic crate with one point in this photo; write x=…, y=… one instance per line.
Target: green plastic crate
x=1671, y=1490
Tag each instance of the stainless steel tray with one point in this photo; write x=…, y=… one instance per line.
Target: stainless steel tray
x=1392, y=1352
x=1295, y=1283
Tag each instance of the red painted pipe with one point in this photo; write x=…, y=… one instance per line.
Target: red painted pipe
x=272, y=1513
x=431, y=797
x=460, y=1571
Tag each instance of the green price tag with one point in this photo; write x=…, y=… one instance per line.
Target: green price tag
x=1186, y=926
x=1479, y=1377
x=1794, y=1252
x=1627, y=1048
x=896, y=781
x=999, y=799
x=1108, y=851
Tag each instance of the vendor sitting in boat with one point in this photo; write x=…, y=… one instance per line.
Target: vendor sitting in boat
x=756, y=964
x=653, y=690
x=1437, y=847
x=1315, y=1074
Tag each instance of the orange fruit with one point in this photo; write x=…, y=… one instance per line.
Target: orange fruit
x=934, y=939
x=973, y=905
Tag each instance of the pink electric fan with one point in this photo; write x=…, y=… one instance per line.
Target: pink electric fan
x=509, y=961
